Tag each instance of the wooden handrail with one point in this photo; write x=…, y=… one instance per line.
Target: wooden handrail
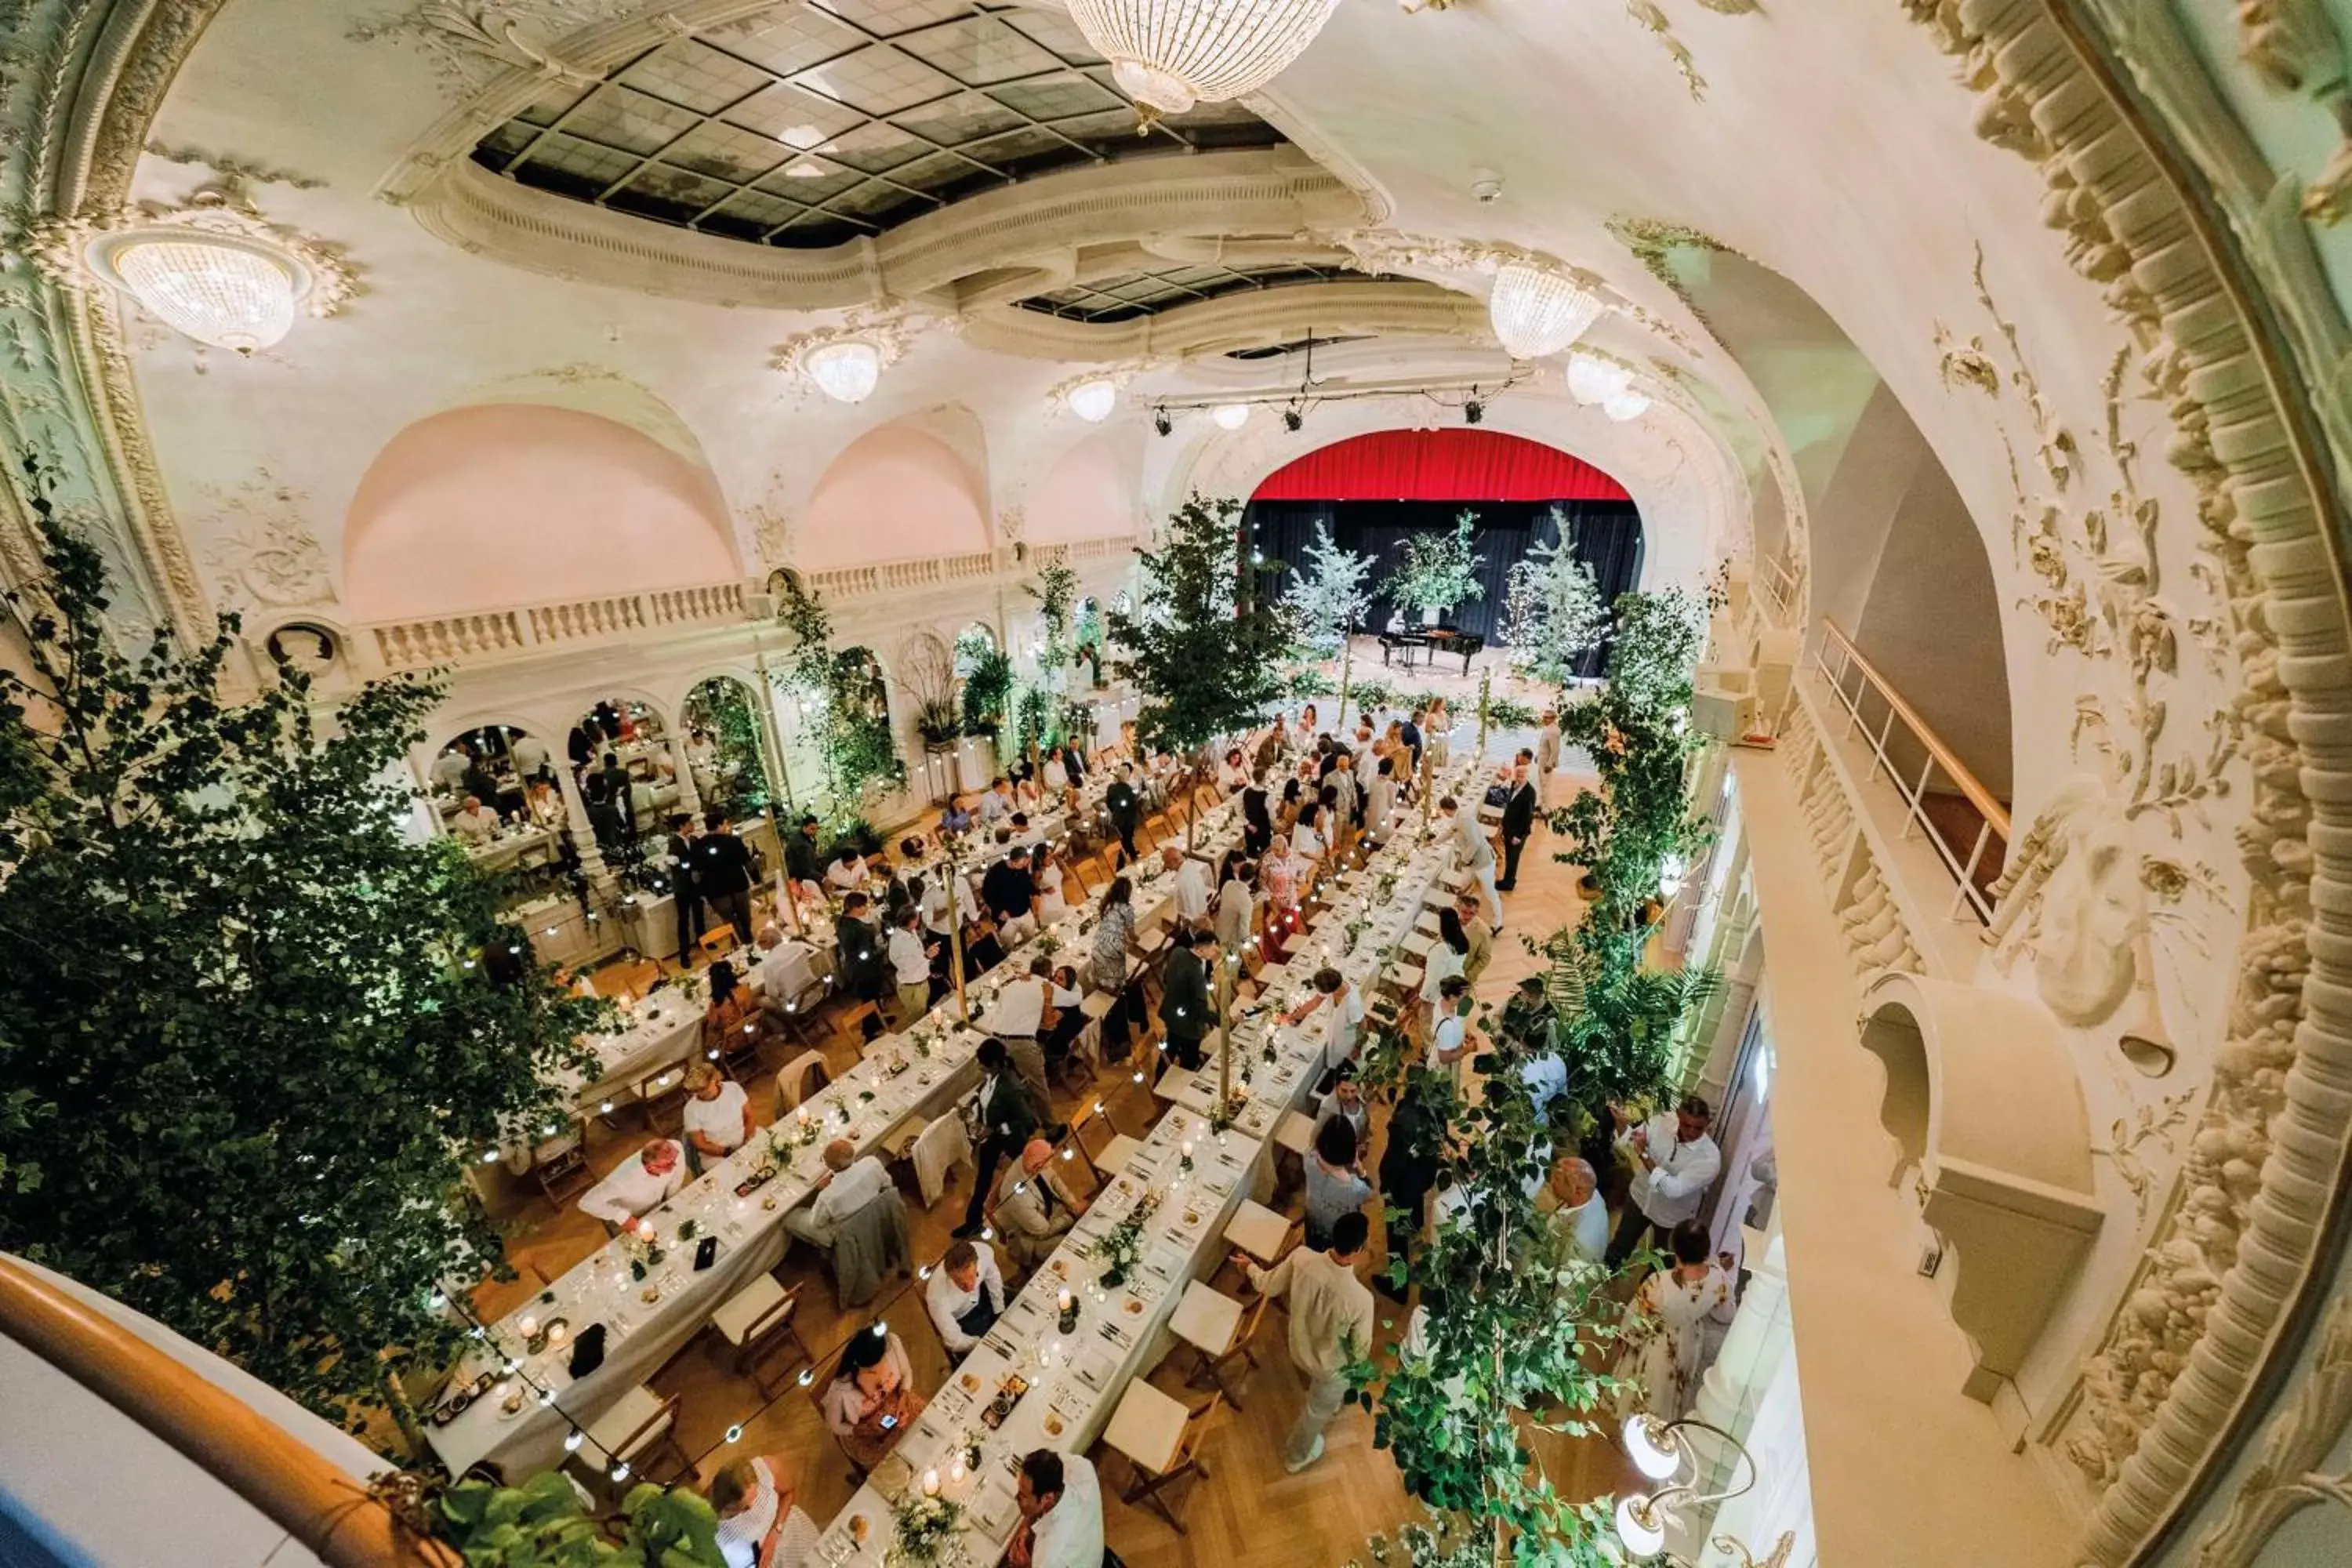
x=1993, y=812
x=293, y=1486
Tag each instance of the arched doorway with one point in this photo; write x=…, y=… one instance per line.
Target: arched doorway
x=724, y=748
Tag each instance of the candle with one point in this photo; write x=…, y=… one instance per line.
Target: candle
x=558, y=1332
x=955, y=1470
x=1066, y=1301
x=1187, y=1150
x=528, y=1326
x=930, y=1483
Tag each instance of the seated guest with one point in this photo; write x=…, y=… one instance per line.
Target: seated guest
x=1051, y=903
x=850, y=1183
x=1188, y=1010
x=956, y=818
x=760, y=1521
x=718, y=1116
x=847, y=872
x=787, y=968
x=995, y=804
x=1232, y=776
x=965, y=1295
x=1052, y=775
x=732, y=1019
x=1025, y=799
x=1335, y=1187
x=1060, y=1513
x=1035, y=1209
x=1011, y=894
x=802, y=864
x=474, y=821
x=872, y=1399
x=637, y=1186
x=543, y=803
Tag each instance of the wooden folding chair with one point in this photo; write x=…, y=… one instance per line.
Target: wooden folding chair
x=1100, y=1144
x=1213, y=1366
x=559, y=1165
x=717, y=943
x=761, y=1322
x=639, y=1430
x=794, y=1084
x=1153, y=1486
x=661, y=1092
x=801, y=1020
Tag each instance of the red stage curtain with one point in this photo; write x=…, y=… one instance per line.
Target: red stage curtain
x=1439, y=465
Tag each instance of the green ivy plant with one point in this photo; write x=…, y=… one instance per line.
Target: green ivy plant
x=252, y=1032
x=987, y=673
x=843, y=694
x=1203, y=644
x=1436, y=571
x=724, y=705
x=542, y=1524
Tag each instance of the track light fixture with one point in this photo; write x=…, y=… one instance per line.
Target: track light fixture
x=1161, y=423
x=1474, y=412
x=1292, y=420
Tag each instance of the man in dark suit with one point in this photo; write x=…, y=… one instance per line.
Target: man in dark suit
x=1409, y=1169
x=1185, y=1007
x=689, y=903
x=801, y=862
x=1518, y=818
x=1007, y=1122
x=857, y=957
x=723, y=870
x=1125, y=805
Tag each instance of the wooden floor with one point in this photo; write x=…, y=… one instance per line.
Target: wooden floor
x=1247, y=1510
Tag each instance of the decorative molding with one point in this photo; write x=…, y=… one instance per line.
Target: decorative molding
x=471, y=43
x=1394, y=307
x=2294, y=48
x=1652, y=21
x=1652, y=241
x=61, y=246
x=263, y=553
x=890, y=332
x=231, y=170
x=2287, y=1480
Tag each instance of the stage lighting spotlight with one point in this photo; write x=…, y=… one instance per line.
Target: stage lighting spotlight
x=1474, y=412
x=1292, y=419
x=1161, y=423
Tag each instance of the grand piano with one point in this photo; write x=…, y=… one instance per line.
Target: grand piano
x=1404, y=645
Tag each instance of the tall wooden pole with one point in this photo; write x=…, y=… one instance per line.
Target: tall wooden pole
x=1486, y=682
x=955, y=926
x=1347, y=657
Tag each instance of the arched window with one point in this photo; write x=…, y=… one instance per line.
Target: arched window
x=724, y=745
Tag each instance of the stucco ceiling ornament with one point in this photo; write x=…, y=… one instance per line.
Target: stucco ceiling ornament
x=1083, y=394
x=2293, y=47
x=813, y=358
x=263, y=553
x=1653, y=21
x=1966, y=364
x=469, y=43
x=1448, y=262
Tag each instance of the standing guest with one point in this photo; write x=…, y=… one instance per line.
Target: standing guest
x=1307, y=840
x=452, y=767
x=1472, y=853
x=1675, y=1325
x=615, y=776
x=1330, y=1326
x=530, y=755
x=872, y=1400
x=474, y=822
x=718, y=1116
x=1341, y=795
x=1346, y=1103
x=637, y=1185
x=1236, y=906
x=1191, y=889
x=724, y=871
x=965, y=1295
x=1449, y=955
x=911, y=964
x=760, y=1521
x=1547, y=756
x=1006, y=1119
x=1520, y=799
x=1572, y=1199
x=1125, y=806
x=609, y=822
x=1342, y=1006
x=1024, y=1015
x=1060, y=1502
x=1450, y=1038
x=1335, y=1180
x=858, y=961
x=1258, y=824
x=1409, y=1166
x=689, y=903
x=1035, y=1209
x=1478, y=933
x=1285, y=810
x=1107, y=964
x=851, y=1181
x=1410, y=734
x=1674, y=1162
x=803, y=863
x=479, y=778
x=1011, y=894
x=1380, y=799
x=1186, y=1009
x=580, y=745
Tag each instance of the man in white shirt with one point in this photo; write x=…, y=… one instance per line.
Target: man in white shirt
x=760, y=1521
x=1191, y=888
x=1578, y=1212
x=787, y=969
x=965, y=1294
x=852, y=1183
x=637, y=1185
x=450, y=767
x=910, y=966
x=475, y=822
x=847, y=874
x=1060, y=1513
x=1547, y=756
x=1330, y=1325
x=1474, y=855
x=529, y=753
x=1674, y=1162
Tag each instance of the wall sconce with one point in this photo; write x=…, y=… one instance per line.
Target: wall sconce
x=1661, y=1451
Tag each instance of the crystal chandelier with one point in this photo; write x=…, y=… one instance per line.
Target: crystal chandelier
x=224, y=290
x=1627, y=405
x=1592, y=379
x=1538, y=311
x=844, y=371
x=1172, y=54
x=1093, y=400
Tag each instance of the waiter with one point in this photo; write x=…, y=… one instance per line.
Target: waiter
x=689, y=903
x=965, y=1295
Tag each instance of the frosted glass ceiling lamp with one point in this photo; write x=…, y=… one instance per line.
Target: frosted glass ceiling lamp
x=1092, y=401
x=1171, y=54
x=845, y=372
x=1592, y=379
x=1653, y=1446
x=1640, y=1525
x=219, y=288
x=1537, y=311
x=1230, y=415
x=1627, y=405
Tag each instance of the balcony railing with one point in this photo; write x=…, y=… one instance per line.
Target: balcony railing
x=1781, y=590
x=1943, y=802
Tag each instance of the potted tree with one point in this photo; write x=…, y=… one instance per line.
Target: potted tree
x=1436, y=572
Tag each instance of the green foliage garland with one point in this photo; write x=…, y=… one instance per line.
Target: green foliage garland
x=252, y=1033
x=1202, y=645
x=850, y=711
x=541, y=1524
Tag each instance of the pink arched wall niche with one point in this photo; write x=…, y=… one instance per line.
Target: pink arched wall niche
x=520, y=504
x=894, y=494
x=1094, y=491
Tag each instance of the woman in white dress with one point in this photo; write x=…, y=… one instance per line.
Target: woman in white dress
x=1673, y=1327
x=1051, y=904
x=1437, y=735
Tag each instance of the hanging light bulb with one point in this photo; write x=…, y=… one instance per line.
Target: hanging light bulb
x=573, y=1440
x=1092, y=401
x=1592, y=379
x=1538, y=311
x=1230, y=415
x=1627, y=405
x=1172, y=54
x=846, y=371
x=224, y=290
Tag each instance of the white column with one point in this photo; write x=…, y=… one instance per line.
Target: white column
x=584, y=832
x=690, y=798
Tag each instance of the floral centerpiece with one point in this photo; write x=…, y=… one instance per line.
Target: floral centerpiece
x=926, y=1529
x=1121, y=1250
x=1048, y=943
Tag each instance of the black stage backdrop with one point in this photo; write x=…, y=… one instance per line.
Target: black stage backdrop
x=1608, y=539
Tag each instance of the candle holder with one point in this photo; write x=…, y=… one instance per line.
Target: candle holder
x=1068, y=1321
